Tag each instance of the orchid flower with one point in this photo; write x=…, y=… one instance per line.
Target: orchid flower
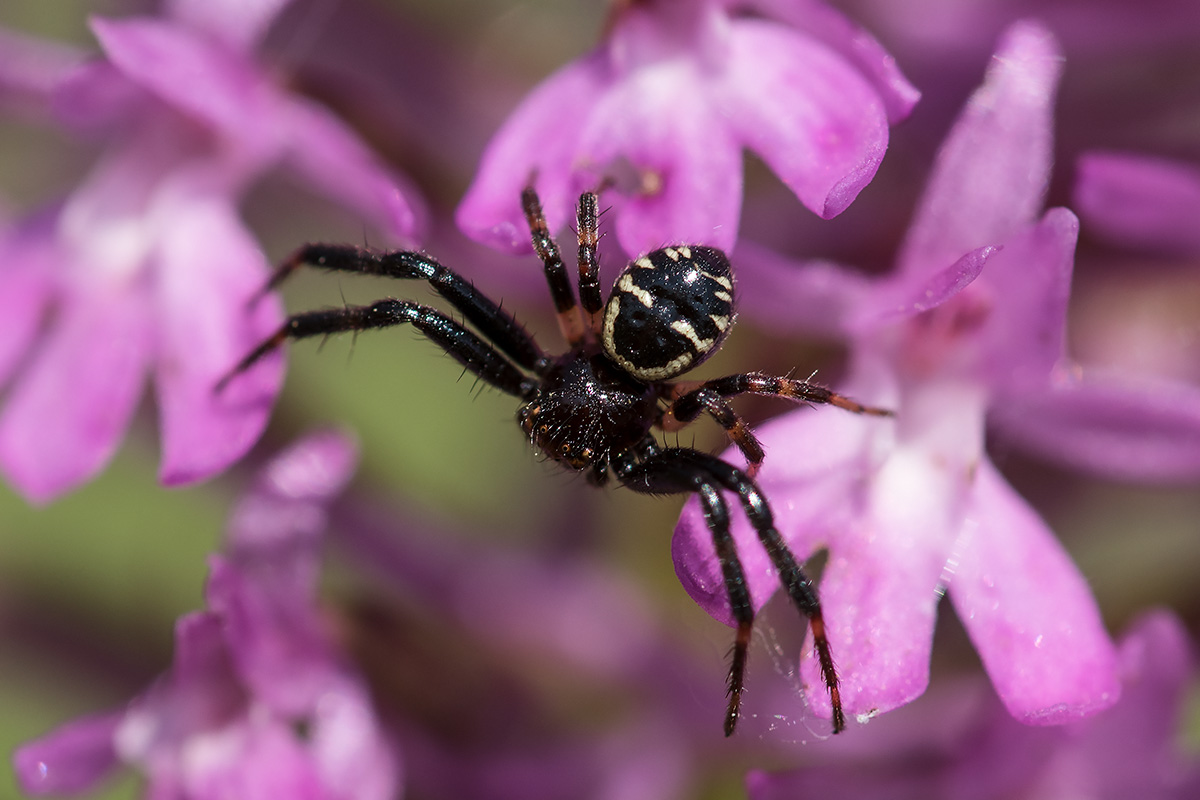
x=146, y=267
x=969, y=328
x=666, y=103
x=259, y=703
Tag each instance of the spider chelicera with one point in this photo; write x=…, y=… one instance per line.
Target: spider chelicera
x=593, y=408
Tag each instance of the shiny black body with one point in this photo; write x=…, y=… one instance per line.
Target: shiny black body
x=594, y=408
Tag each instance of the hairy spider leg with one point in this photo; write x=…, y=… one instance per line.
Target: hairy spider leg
x=587, y=223
x=496, y=324
x=460, y=343
x=681, y=470
x=689, y=400
x=570, y=321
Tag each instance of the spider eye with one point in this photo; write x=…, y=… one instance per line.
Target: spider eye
x=669, y=311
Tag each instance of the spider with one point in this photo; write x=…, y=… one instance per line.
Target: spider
x=593, y=408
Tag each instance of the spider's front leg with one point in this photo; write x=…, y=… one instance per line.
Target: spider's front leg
x=496, y=324
x=684, y=470
x=688, y=400
x=460, y=343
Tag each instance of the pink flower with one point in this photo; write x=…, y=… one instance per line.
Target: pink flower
x=258, y=704
x=1128, y=751
x=968, y=330
x=147, y=267
x=1141, y=201
x=665, y=105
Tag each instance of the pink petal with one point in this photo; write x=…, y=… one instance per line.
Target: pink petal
x=32, y=68
x=209, y=268
x=214, y=84
x=812, y=117
x=538, y=141
x=813, y=297
x=350, y=752
x=812, y=498
x=26, y=275
x=688, y=167
x=901, y=296
x=1027, y=286
x=1029, y=612
x=328, y=154
x=65, y=417
x=263, y=760
x=881, y=586
x=240, y=23
x=852, y=42
x=1141, y=201
x=1137, y=739
x=275, y=638
x=72, y=759
x=1111, y=425
x=992, y=170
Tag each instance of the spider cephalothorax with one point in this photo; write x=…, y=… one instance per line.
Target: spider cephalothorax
x=594, y=408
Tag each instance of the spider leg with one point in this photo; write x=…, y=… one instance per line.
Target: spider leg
x=689, y=400
x=588, y=226
x=570, y=321
x=682, y=470
x=462, y=344
x=490, y=319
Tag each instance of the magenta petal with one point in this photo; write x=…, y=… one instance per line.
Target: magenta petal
x=348, y=748
x=1028, y=284
x=241, y=23
x=538, y=141
x=811, y=498
x=274, y=638
x=809, y=115
x=694, y=166
x=31, y=69
x=1142, y=201
x=28, y=284
x=206, y=325
x=882, y=585
x=992, y=170
x=897, y=297
x=263, y=760
x=275, y=530
x=327, y=153
x=851, y=42
x=814, y=297
x=1029, y=611
x=1138, y=738
x=200, y=77
x=1144, y=430
x=70, y=760
x=67, y=414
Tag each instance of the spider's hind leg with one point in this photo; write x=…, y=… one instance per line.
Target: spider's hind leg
x=683, y=470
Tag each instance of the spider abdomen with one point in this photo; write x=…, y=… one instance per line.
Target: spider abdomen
x=586, y=410
x=669, y=311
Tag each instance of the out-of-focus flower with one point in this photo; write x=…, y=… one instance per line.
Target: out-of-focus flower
x=1130, y=750
x=672, y=95
x=971, y=324
x=146, y=266
x=258, y=703
x=1141, y=201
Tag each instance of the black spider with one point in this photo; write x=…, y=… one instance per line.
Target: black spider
x=593, y=408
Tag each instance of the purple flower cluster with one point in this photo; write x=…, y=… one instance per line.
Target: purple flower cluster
x=258, y=702
x=559, y=676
